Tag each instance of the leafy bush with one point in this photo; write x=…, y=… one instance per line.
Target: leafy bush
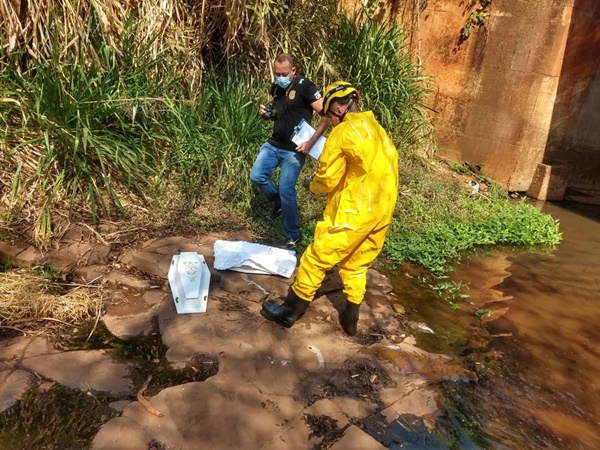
x=80, y=127
x=237, y=129
x=480, y=223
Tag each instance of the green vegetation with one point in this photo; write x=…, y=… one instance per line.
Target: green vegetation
x=450, y=291
x=437, y=220
x=478, y=11
x=375, y=58
x=139, y=115
x=59, y=417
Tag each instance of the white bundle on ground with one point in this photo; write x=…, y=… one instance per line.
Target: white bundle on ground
x=254, y=258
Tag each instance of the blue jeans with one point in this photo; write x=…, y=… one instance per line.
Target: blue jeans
x=291, y=163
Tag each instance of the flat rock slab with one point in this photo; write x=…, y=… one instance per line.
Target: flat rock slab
x=408, y=357
x=155, y=297
x=420, y=403
x=119, y=405
x=92, y=273
x=206, y=415
x=94, y=370
x=235, y=327
x=12, y=386
x=74, y=250
x=99, y=255
x=16, y=349
x=126, y=326
x=253, y=287
x=125, y=301
x=132, y=312
x=30, y=257
x=156, y=264
x=128, y=280
x=155, y=255
x=121, y=433
x=77, y=233
x=9, y=252
x=356, y=439
x=341, y=409
x=379, y=281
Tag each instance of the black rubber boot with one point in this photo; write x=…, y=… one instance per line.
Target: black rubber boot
x=286, y=314
x=349, y=318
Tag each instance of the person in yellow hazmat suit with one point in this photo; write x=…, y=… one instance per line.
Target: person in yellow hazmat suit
x=358, y=170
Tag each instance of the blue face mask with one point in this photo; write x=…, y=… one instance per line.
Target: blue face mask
x=283, y=81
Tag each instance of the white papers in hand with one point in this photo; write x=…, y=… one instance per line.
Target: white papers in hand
x=302, y=133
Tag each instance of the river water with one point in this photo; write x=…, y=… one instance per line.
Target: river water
x=538, y=355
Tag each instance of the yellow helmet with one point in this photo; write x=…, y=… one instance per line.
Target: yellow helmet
x=338, y=89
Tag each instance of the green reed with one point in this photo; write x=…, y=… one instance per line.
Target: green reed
x=375, y=58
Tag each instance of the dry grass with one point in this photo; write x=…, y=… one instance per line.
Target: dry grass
x=197, y=29
x=27, y=299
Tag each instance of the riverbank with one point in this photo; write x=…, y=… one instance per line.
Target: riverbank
x=311, y=384
x=536, y=354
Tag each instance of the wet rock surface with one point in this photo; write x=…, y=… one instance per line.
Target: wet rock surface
x=275, y=387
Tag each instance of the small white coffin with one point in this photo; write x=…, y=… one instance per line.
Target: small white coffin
x=189, y=279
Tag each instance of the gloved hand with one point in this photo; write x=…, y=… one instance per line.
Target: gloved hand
x=307, y=181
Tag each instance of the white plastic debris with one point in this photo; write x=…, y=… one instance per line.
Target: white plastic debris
x=474, y=187
x=189, y=279
x=421, y=327
x=247, y=257
x=317, y=352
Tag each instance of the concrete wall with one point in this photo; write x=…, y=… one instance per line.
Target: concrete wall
x=523, y=90
x=495, y=92
x=574, y=138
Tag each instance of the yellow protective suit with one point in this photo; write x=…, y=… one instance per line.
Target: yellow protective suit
x=359, y=170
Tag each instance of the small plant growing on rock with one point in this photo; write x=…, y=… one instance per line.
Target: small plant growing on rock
x=479, y=12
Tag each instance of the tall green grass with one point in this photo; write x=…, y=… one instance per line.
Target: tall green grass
x=375, y=58
x=216, y=138
x=84, y=124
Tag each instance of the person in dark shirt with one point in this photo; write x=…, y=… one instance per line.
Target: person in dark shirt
x=295, y=98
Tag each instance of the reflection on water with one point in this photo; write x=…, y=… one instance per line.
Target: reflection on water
x=538, y=356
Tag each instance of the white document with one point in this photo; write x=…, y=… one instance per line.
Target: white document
x=302, y=133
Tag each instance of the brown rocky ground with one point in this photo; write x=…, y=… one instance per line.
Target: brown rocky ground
x=310, y=386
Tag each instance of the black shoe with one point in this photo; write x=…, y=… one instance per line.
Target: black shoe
x=276, y=212
x=290, y=244
x=349, y=318
x=286, y=314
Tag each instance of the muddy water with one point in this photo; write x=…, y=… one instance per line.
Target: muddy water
x=538, y=355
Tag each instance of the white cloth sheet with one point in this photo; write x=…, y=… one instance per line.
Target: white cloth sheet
x=248, y=257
